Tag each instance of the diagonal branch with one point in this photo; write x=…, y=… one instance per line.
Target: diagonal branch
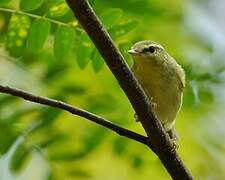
x=160, y=142
x=74, y=110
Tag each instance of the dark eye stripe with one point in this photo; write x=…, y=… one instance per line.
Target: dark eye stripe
x=145, y=50
x=150, y=49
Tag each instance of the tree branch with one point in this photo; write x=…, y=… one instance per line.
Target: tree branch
x=160, y=142
x=77, y=111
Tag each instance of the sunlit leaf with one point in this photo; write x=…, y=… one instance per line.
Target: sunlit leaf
x=58, y=9
x=30, y=5
x=123, y=28
x=111, y=17
x=64, y=39
x=17, y=34
x=38, y=34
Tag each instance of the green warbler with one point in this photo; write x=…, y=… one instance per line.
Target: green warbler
x=162, y=79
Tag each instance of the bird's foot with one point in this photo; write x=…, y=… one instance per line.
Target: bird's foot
x=136, y=117
x=153, y=104
x=174, y=144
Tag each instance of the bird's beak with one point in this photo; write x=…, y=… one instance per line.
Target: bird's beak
x=133, y=52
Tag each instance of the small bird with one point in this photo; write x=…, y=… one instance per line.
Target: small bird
x=162, y=79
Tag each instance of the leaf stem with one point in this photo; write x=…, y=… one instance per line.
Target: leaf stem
x=34, y=16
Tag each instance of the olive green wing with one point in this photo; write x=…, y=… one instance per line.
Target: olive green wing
x=181, y=77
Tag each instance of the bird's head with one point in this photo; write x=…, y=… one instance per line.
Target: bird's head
x=148, y=51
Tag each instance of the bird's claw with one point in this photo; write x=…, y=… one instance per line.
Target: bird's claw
x=136, y=117
x=153, y=104
x=174, y=144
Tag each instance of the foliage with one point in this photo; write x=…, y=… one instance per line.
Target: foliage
x=28, y=32
x=44, y=50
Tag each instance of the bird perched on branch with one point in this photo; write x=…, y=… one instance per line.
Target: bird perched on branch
x=162, y=79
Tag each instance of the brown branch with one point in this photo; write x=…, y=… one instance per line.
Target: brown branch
x=160, y=142
x=74, y=110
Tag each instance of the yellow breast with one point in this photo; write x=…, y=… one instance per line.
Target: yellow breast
x=162, y=85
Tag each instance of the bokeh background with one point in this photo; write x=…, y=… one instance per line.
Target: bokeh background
x=44, y=50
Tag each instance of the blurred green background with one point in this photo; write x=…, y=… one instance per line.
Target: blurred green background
x=44, y=50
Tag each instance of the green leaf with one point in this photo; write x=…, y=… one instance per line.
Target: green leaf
x=6, y=100
x=137, y=161
x=92, y=2
x=73, y=89
x=58, y=9
x=191, y=97
x=54, y=70
x=67, y=156
x=124, y=50
x=8, y=136
x=206, y=95
x=111, y=17
x=123, y=28
x=17, y=34
x=53, y=140
x=120, y=145
x=17, y=115
x=19, y=157
x=49, y=115
x=30, y=5
x=83, y=50
x=97, y=61
x=3, y=2
x=81, y=173
x=99, y=103
x=92, y=139
x=45, y=119
x=64, y=39
x=38, y=34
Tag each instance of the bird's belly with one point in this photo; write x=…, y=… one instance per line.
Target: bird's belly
x=167, y=96
x=168, y=102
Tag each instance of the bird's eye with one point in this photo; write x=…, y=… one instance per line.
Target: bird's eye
x=151, y=49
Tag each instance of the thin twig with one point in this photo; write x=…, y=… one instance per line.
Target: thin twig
x=74, y=110
x=160, y=142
